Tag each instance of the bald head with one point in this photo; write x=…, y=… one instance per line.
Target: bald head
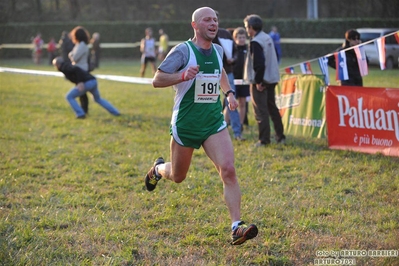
x=201, y=12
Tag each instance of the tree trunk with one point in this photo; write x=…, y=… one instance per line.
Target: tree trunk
x=39, y=7
x=74, y=8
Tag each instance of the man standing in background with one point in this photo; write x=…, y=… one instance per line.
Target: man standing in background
x=275, y=35
x=66, y=45
x=163, y=45
x=261, y=70
x=147, y=48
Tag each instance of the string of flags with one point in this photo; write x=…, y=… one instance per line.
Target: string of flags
x=341, y=70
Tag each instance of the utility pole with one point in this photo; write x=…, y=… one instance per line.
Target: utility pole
x=313, y=9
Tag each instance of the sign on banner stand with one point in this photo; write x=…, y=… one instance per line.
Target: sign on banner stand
x=363, y=119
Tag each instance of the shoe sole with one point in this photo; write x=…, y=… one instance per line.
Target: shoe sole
x=148, y=185
x=250, y=233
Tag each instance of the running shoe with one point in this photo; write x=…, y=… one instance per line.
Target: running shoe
x=151, y=179
x=243, y=233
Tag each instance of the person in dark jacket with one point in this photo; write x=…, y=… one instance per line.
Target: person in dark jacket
x=66, y=45
x=95, y=51
x=242, y=91
x=85, y=82
x=352, y=38
x=224, y=39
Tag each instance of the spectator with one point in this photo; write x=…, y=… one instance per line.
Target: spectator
x=224, y=39
x=80, y=52
x=79, y=56
x=95, y=50
x=275, y=35
x=66, y=45
x=37, y=48
x=352, y=38
x=263, y=74
x=84, y=82
x=242, y=91
x=147, y=48
x=51, y=50
x=163, y=48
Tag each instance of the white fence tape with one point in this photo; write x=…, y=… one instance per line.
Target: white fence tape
x=136, y=80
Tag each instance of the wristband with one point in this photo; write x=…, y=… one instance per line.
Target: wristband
x=182, y=76
x=228, y=92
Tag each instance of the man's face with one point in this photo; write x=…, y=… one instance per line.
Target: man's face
x=249, y=29
x=207, y=25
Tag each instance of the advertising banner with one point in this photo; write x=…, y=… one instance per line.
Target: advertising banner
x=301, y=100
x=363, y=119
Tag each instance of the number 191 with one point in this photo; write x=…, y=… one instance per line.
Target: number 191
x=209, y=88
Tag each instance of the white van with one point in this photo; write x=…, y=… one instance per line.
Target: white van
x=391, y=45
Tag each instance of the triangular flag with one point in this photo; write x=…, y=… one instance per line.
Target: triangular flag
x=323, y=63
x=361, y=60
x=341, y=66
x=306, y=68
x=289, y=70
x=380, y=42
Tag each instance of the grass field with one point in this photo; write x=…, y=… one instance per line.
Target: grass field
x=71, y=191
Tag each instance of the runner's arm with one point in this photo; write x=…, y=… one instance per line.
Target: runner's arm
x=162, y=79
x=225, y=87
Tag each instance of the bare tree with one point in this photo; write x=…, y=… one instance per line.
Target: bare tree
x=39, y=7
x=13, y=6
x=272, y=9
x=74, y=8
x=57, y=5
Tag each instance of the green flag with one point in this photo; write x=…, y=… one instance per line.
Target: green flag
x=301, y=100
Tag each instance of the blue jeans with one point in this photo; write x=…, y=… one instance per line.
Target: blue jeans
x=234, y=115
x=90, y=86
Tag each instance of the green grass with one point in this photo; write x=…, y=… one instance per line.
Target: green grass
x=71, y=191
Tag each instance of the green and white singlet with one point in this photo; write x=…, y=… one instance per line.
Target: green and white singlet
x=197, y=112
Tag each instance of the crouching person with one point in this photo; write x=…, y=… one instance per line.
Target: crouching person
x=85, y=82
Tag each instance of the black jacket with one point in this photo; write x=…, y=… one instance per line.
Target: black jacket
x=238, y=69
x=355, y=78
x=75, y=74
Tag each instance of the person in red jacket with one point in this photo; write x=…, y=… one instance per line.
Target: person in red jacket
x=51, y=50
x=37, y=48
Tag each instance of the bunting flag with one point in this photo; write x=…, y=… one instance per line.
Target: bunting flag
x=323, y=63
x=361, y=60
x=380, y=42
x=340, y=61
x=306, y=68
x=341, y=69
x=397, y=36
x=289, y=70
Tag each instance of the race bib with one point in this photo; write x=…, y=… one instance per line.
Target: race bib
x=206, y=88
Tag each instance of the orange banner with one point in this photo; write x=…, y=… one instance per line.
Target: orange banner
x=363, y=119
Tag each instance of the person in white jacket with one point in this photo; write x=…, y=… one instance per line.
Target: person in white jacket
x=262, y=71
